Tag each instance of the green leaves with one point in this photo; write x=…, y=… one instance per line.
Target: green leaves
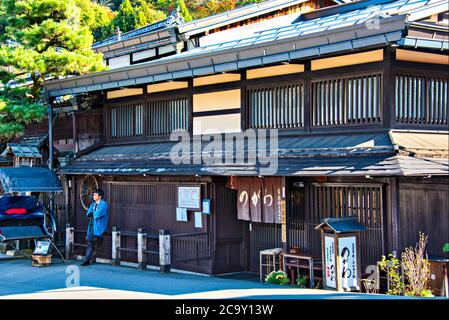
x=41, y=39
x=181, y=5
x=134, y=14
x=446, y=248
x=278, y=277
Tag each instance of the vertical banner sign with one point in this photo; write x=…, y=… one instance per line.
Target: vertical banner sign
x=329, y=260
x=284, y=221
x=348, y=262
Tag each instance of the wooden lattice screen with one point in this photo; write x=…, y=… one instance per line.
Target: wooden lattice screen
x=346, y=101
x=280, y=106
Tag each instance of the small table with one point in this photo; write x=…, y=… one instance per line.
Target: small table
x=271, y=262
x=297, y=258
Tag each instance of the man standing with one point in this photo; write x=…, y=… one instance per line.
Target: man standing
x=98, y=223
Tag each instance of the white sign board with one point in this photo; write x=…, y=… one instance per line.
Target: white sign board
x=347, y=251
x=198, y=220
x=189, y=197
x=42, y=248
x=181, y=214
x=329, y=253
x=206, y=206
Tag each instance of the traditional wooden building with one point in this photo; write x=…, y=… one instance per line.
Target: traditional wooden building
x=29, y=150
x=358, y=97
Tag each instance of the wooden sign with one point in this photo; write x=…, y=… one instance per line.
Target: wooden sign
x=347, y=253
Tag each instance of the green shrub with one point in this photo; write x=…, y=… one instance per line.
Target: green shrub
x=301, y=281
x=278, y=277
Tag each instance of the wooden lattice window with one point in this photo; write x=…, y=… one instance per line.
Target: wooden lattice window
x=421, y=100
x=167, y=115
x=347, y=101
x=279, y=106
x=333, y=200
x=364, y=201
x=127, y=121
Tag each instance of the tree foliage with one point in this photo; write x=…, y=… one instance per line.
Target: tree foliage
x=41, y=39
x=204, y=8
x=181, y=6
x=134, y=14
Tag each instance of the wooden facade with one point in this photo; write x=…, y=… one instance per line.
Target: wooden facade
x=370, y=92
x=363, y=99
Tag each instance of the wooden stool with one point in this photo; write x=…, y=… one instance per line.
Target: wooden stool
x=272, y=261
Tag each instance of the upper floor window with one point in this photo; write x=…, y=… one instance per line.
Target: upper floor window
x=126, y=121
x=148, y=118
x=421, y=100
x=279, y=106
x=167, y=115
x=346, y=101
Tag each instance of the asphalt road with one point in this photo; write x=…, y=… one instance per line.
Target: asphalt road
x=18, y=279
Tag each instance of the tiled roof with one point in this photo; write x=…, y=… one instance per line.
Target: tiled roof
x=342, y=154
x=22, y=150
x=330, y=30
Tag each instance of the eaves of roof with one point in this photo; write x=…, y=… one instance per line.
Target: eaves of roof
x=199, y=63
x=238, y=14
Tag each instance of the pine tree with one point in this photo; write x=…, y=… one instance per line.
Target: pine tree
x=39, y=39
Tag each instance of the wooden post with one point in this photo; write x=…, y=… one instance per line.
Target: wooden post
x=164, y=250
x=307, y=98
x=116, y=242
x=388, y=113
x=445, y=279
x=69, y=240
x=141, y=248
x=393, y=224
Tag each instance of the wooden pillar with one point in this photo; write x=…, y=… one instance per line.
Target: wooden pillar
x=388, y=88
x=243, y=102
x=393, y=213
x=74, y=133
x=307, y=98
x=141, y=248
x=69, y=240
x=164, y=250
x=116, y=242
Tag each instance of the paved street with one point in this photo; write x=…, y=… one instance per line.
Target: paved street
x=18, y=279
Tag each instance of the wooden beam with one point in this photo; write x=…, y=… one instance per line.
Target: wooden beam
x=124, y=93
x=167, y=86
x=423, y=57
x=278, y=70
x=216, y=78
x=347, y=60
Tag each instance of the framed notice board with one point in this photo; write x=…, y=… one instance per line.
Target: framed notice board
x=189, y=197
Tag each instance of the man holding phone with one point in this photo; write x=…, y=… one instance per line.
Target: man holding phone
x=98, y=224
